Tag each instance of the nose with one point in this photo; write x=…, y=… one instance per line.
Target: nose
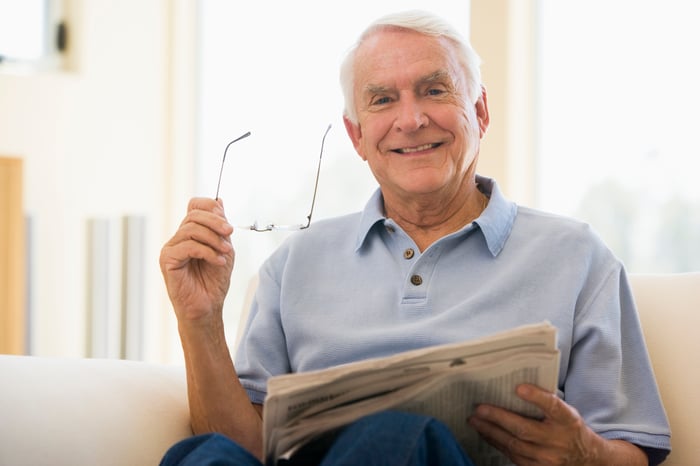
x=411, y=115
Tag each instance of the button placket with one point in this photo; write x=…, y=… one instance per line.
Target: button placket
x=422, y=267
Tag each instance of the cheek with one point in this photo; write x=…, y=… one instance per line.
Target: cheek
x=466, y=139
x=374, y=129
x=470, y=124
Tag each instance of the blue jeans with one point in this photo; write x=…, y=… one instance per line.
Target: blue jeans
x=385, y=439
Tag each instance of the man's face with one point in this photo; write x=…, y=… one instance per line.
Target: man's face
x=416, y=127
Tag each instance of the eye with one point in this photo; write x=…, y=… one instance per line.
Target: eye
x=381, y=100
x=435, y=91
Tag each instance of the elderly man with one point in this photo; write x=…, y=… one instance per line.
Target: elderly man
x=438, y=255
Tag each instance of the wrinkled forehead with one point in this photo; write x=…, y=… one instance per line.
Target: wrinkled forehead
x=391, y=53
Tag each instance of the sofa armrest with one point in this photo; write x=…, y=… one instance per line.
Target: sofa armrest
x=89, y=411
x=668, y=307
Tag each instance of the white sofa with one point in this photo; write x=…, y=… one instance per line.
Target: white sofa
x=57, y=411
x=108, y=412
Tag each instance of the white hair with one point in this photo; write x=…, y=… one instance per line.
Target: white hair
x=424, y=23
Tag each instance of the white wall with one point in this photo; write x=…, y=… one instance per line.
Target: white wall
x=94, y=141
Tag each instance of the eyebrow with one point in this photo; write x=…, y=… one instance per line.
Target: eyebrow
x=439, y=75
x=376, y=89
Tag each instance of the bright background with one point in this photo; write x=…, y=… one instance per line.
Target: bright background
x=618, y=132
x=593, y=107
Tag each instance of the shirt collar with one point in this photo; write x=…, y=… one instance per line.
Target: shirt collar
x=495, y=222
x=372, y=214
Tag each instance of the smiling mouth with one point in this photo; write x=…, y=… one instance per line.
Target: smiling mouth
x=421, y=148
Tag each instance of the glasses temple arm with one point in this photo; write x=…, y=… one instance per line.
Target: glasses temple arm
x=221, y=170
x=318, y=175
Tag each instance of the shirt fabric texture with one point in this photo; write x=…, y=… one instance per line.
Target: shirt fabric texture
x=357, y=287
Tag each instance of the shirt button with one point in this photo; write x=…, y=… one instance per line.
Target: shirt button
x=417, y=280
x=390, y=229
x=408, y=253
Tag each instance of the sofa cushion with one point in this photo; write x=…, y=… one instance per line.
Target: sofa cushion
x=89, y=411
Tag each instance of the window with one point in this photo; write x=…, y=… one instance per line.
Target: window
x=618, y=145
x=31, y=33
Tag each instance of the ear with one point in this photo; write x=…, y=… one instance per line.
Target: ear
x=355, y=133
x=482, y=112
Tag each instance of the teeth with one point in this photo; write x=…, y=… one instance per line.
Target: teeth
x=410, y=150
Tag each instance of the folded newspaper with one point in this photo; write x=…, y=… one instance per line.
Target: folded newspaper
x=446, y=382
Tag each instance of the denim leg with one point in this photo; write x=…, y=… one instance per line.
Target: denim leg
x=208, y=450
x=394, y=438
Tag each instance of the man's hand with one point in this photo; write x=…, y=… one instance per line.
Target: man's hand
x=197, y=261
x=560, y=438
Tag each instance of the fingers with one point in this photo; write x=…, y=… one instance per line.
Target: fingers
x=208, y=213
x=203, y=234
x=512, y=444
x=553, y=407
x=555, y=411
x=201, y=228
x=561, y=433
x=177, y=255
x=503, y=422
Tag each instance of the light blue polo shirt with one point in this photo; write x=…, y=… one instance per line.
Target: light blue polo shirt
x=357, y=286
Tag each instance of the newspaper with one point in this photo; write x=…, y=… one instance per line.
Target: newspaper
x=446, y=382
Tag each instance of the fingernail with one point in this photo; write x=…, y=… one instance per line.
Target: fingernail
x=524, y=390
x=483, y=410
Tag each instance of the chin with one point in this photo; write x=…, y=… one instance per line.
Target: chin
x=423, y=189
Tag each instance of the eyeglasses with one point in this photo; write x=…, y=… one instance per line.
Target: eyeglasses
x=257, y=227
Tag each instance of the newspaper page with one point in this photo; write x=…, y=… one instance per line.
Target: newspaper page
x=446, y=382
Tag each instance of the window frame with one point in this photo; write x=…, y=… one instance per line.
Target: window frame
x=54, y=43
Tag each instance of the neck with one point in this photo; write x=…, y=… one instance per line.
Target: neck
x=427, y=219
